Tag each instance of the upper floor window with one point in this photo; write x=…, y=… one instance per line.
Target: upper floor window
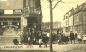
x=66, y=17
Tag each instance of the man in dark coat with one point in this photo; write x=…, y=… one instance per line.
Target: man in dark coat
x=45, y=40
x=72, y=37
x=75, y=35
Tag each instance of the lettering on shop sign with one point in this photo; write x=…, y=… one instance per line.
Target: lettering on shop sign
x=11, y=46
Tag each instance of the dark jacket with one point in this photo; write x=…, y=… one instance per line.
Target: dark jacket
x=72, y=37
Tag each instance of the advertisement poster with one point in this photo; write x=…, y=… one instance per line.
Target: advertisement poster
x=42, y=25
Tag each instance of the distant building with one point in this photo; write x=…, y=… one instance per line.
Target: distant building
x=56, y=26
x=75, y=19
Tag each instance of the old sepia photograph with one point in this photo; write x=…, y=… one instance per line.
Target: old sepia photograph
x=42, y=25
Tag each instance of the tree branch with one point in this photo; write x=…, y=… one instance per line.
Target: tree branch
x=49, y=0
x=56, y=4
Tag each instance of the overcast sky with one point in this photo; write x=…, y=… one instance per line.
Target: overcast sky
x=60, y=10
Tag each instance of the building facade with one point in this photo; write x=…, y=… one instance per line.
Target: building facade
x=20, y=14
x=10, y=15
x=75, y=19
x=34, y=19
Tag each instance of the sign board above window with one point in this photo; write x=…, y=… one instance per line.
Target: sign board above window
x=17, y=12
x=8, y=11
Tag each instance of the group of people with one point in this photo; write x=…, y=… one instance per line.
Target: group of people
x=77, y=37
x=72, y=38
x=61, y=38
x=42, y=38
x=32, y=38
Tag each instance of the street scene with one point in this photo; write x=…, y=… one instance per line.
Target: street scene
x=42, y=26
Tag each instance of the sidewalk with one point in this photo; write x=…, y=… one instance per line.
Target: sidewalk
x=22, y=48
x=56, y=47
x=68, y=47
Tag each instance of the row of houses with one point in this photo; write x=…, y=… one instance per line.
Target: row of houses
x=75, y=19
